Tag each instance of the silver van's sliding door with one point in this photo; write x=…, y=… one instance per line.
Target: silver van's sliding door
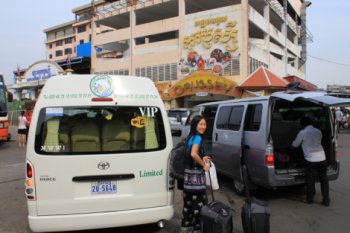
x=227, y=139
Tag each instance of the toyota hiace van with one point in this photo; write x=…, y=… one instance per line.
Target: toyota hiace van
x=97, y=155
x=259, y=131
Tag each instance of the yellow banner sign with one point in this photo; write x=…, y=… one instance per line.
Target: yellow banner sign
x=203, y=81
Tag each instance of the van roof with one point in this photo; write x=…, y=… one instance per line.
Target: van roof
x=322, y=98
x=73, y=90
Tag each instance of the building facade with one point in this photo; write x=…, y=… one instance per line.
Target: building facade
x=197, y=50
x=194, y=50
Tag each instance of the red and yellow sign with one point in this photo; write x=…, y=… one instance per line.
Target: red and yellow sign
x=203, y=81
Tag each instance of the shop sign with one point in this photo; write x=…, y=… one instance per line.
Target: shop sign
x=203, y=82
x=211, y=40
x=42, y=70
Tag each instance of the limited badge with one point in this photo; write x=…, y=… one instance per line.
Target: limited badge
x=101, y=85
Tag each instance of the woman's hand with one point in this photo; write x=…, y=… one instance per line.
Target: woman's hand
x=207, y=159
x=206, y=167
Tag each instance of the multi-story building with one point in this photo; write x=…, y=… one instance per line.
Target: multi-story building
x=198, y=50
x=194, y=50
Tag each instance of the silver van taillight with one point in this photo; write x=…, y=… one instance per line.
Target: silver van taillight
x=269, y=158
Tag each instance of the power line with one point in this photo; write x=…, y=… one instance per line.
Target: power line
x=325, y=60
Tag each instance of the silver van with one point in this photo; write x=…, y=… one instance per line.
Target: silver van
x=258, y=132
x=177, y=118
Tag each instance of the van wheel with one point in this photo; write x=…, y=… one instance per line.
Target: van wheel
x=239, y=187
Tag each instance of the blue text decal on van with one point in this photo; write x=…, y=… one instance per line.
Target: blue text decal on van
x=101, y=85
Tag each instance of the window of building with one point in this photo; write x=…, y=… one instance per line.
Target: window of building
x=161, y=72
x=50, y=56
x=68, y=51
x=81, y=41
x=81, y=29
x=59, y=43
x=254, y=64
x=50, y=46
x=59, y=53
x=68, y=40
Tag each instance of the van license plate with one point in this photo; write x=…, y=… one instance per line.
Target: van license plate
x=103, y=187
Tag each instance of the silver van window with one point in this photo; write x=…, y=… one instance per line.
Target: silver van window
x=253, y=117
x=230, y=118
x=100, y=129
x=223, y=116
x=236, y=118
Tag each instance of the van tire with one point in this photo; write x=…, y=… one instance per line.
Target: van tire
x=239, y=187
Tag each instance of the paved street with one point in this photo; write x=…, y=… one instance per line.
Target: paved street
x=288, y=212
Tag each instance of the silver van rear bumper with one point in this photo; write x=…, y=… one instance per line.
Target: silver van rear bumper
x=291, y=177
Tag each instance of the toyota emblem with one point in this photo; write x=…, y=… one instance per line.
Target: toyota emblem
x=103, y=165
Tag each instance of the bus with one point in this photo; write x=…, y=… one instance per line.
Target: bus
x=4, y=123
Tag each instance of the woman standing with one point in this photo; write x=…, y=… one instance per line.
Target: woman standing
x=193, y=201
x=28, y=116
x=22, y=130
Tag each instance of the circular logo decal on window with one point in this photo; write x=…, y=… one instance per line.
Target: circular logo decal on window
x=102, y=85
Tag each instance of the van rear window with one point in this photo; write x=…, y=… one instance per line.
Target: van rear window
x=96, y=130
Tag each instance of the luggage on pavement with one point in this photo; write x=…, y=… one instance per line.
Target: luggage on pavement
x=216, y=217
x=255, y=213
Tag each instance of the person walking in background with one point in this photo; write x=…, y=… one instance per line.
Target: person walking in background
x=193, y=201
x=315, y=160
x=28, y=116
x=22, y=129
x=338, y=117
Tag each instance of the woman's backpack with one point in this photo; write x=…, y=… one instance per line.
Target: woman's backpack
x=178, y=160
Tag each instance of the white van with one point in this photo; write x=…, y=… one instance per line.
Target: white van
x=259, y=131
x=177, y=118
x=97, y=155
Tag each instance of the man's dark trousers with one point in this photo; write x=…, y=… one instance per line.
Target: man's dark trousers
x=313, y=170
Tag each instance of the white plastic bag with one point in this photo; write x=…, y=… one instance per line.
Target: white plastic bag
x=213, y=177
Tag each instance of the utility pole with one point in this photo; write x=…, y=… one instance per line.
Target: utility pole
x=303, y=34
x=93, y=51
x=285, y=2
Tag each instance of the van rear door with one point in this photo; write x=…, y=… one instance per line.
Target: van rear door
x=99, y=159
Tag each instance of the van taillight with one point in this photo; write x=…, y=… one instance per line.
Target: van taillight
x=29, y=171
x=269, y=160
x=29, y=183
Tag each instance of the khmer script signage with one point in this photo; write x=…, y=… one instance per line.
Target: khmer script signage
x=42, y=70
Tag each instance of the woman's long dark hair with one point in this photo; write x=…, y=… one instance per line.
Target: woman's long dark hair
x=194, y=124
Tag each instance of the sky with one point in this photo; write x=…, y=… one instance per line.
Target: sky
x=23, y=22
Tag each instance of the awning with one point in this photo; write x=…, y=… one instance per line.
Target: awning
x=262, y=78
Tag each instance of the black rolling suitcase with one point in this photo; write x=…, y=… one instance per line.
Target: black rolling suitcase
x=216, y=217
x=255, y=213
